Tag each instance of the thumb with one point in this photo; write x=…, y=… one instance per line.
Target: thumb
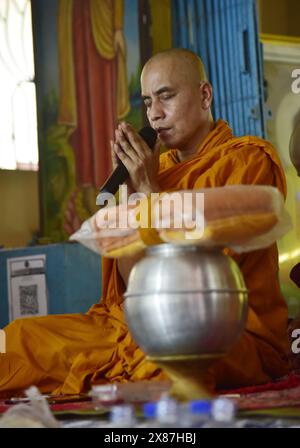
x=157, y=148
x=156, y=154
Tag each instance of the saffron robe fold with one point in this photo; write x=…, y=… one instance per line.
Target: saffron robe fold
x=68, y=353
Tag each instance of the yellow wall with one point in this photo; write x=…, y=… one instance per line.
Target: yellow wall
x=280, y=17
x=19, y=207
x=161, y=28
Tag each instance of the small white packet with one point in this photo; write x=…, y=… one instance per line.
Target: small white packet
x=35, y=414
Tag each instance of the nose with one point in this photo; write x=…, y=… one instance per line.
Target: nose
x=156, y=111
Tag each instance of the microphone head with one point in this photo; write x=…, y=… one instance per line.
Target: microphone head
x=149, y=135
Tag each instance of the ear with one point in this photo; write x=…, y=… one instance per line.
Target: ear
x=207, y=94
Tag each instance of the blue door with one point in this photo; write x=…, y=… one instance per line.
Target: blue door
x=224, y=33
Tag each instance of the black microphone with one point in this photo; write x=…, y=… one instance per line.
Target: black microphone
x=120, y=174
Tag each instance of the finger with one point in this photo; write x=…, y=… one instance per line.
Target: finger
x=122, y=155
x=117, y=150
x=157, y=147
x=124, y=145
x=136, y=141
x=114, y=157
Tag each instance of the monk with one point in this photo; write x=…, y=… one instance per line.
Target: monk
x=69, y=353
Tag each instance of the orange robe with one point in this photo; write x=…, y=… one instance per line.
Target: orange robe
x=69, y=353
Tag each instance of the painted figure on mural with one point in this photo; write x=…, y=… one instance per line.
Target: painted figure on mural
x=93, y=93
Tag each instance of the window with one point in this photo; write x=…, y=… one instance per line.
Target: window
x=18, y=121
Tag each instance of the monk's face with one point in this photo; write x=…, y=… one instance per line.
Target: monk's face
x=177, y=103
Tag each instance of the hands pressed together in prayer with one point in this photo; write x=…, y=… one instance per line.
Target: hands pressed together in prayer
x=143, y=165
x=141, y=162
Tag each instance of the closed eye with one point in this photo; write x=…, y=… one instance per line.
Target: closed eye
x=166, y=96
x=163, y=96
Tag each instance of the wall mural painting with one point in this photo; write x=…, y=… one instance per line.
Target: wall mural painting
x=88, y=63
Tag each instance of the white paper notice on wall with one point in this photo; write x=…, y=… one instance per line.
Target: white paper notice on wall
x=27, y=288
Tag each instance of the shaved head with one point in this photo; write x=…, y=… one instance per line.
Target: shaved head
x=188, y=65
x=177, y=97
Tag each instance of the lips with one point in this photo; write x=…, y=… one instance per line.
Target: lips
x=162, y=131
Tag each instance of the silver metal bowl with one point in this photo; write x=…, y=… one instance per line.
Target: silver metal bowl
x=185, y=300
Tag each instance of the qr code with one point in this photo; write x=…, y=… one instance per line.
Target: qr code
x=29, y=299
